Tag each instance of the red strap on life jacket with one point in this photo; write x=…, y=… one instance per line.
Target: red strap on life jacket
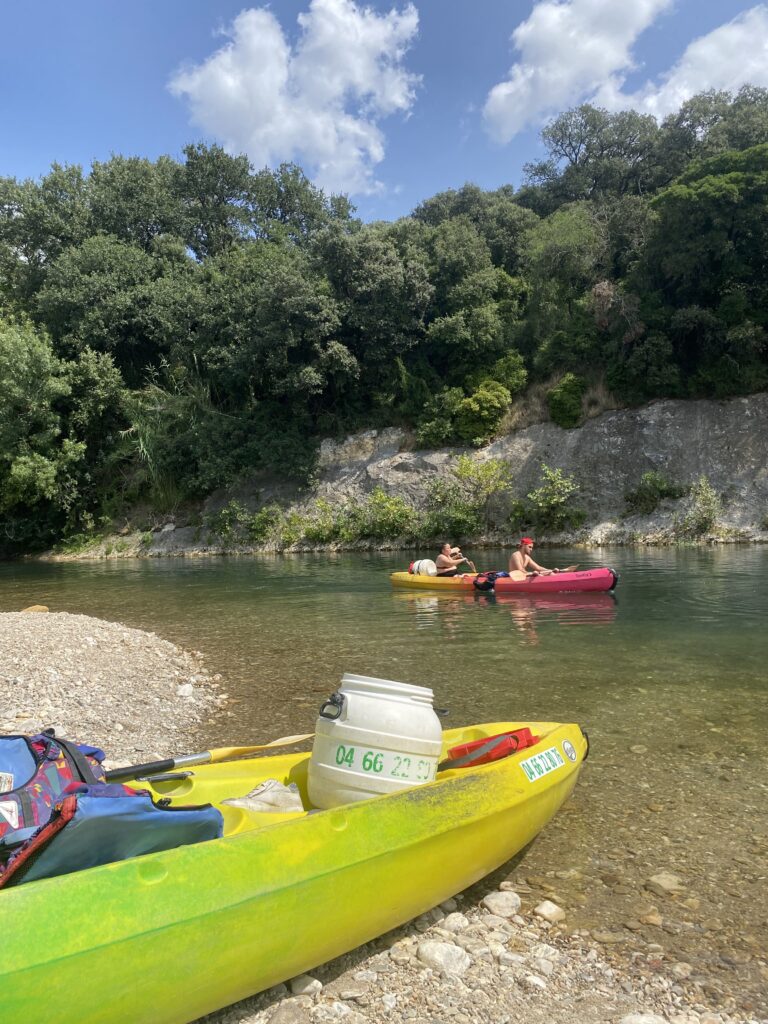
x=63, y=813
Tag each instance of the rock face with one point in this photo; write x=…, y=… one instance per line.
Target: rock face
x=725, y=441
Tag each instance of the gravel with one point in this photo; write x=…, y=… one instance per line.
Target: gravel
x=130, y=692
x=485, y=957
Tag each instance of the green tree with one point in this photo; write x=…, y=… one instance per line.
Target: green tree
x=566, y=257
x=214, y=189
x=40, y=220
x=98, y=295
x=712, y=122
x=499, y=220
x=286, y=206
x=711, y=231
x=593, y=154
x=265, y=328
x=382, y=294
x=136, y=200
x=58, y=423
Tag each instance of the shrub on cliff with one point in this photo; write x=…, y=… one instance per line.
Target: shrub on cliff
x=466, y=503
x=653, y=487
x=564, y=401
x=436, y=426
x=382, y=516
x=480, y=414
x=509, y=370
x=379, y=516
x=704, y=511
x=550, y=506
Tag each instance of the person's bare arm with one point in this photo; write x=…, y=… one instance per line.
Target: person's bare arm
x=459, y=559
x=529, y=563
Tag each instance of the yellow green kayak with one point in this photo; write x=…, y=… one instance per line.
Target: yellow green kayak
x=168, y=937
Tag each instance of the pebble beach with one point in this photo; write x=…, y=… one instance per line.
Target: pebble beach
x=497, y=953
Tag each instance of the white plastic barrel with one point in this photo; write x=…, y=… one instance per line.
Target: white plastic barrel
x=424, y=567
x=373, y=736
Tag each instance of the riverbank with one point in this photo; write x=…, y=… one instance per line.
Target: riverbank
x=479, y=958
x=671, y=472
x=181, y=543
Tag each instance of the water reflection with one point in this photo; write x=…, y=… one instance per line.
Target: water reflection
x=527, y=612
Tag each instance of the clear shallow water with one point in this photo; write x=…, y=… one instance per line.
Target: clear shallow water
x=669, y=677
x=684, y=623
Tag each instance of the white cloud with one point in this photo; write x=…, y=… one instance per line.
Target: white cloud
x=730, y=56
x=568, y=50
x=318, y=102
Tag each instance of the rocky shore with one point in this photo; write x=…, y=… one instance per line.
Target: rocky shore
x=130, y=692
x=497, y=953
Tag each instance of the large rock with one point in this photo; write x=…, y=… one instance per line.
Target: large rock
x=726, y=441
x=503, y=904
x=443, y=956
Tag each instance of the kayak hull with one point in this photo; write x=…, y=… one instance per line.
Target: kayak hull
x=586, y=581
x=166, y=938
x=448, y=583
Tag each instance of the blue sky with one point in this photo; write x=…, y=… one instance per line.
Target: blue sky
x=390, y=102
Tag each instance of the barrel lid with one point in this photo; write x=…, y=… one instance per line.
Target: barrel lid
x=371, y=684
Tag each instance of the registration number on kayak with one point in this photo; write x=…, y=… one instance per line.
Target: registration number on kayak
x=386, y=764
x=542, y=764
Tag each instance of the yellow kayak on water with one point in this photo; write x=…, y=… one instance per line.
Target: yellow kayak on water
x=461, y=582
x=168, y=937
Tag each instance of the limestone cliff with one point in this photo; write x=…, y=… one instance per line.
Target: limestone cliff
x=725, y=441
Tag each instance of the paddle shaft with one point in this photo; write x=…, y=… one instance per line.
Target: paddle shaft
x=520, y=574
x=204, y=757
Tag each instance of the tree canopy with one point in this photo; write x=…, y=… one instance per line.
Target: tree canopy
x=167, y=326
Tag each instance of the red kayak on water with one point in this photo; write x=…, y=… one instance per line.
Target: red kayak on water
x=548, y=583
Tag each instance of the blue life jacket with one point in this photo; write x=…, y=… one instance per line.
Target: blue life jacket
x=58, y=815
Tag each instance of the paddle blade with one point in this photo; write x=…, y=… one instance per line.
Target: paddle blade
x=570, y=568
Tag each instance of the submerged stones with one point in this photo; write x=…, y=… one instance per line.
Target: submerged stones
x=549, y=911
x=664, y=883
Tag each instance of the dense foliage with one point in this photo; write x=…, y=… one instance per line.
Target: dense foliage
x=168, y=326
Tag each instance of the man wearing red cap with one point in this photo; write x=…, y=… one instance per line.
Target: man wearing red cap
x=521, y=561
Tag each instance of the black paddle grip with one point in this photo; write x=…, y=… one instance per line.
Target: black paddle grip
x=132, y=770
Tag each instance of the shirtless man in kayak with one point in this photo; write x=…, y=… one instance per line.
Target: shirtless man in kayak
x=521, y=562
x=450, y=559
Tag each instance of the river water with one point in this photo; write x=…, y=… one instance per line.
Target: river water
x=668, y=676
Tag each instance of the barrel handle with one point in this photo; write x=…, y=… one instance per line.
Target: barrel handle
x=333, y=707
